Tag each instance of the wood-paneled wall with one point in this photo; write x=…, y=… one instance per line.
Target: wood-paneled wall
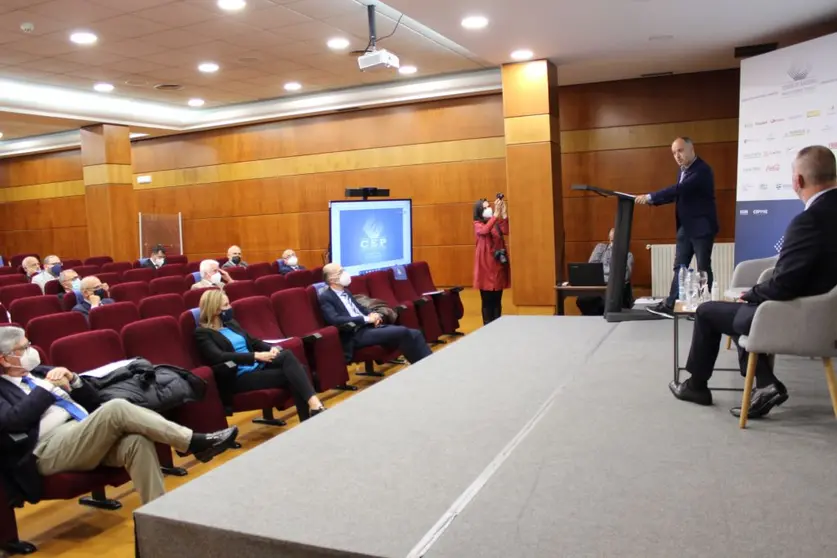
x=42, y=205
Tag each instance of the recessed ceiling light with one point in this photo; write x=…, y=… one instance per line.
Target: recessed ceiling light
x=522, y=54
x=103, y=87
x=231, y=5
x=208, y=67
x=407, y=70
x=338, y=43
x=292, y=86
x=83, y=38
x=475, y=22
x=1, y=135
x=196, y=102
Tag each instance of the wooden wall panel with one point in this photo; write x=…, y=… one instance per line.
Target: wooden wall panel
x=455, y=119
x=678, y=98
x=56, y=225
x=43, y=168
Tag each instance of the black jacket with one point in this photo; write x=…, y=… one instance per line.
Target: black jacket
x=807, y=264
x=694, y=197
x=20, y=421
x=335, y=314
x=216, y=349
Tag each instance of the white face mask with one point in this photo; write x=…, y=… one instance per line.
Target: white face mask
x=30, y=360
x=487, y=213
x=292, y=261
x=345, y=279
x=215, y=279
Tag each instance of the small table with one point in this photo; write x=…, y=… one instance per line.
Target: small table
x=563, y=291
x=680, y=312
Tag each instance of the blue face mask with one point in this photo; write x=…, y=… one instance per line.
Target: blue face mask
x=56, y=269
x=76, y=284
x=227, y=315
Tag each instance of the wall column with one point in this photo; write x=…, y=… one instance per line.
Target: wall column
x=109, y=191
x=533, y=175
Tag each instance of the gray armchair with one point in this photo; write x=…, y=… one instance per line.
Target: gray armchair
x=765, y=275
x=804, y=327
x=747, y=274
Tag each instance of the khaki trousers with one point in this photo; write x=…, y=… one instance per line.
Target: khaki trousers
x=118, y=434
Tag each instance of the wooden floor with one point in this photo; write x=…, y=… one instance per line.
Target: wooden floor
x=66, y=529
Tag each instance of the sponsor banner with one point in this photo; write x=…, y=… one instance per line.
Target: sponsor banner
x=760, y=227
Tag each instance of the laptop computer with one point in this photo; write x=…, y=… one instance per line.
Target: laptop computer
x=586, y=274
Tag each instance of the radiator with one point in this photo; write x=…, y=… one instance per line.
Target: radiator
x=662, y=266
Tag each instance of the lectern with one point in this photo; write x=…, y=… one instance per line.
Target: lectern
x=619, y=256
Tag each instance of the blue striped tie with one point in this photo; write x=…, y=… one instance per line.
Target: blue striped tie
x=71, y=407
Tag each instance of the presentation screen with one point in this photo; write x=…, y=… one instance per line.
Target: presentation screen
x=788, y=101
x=371, y=235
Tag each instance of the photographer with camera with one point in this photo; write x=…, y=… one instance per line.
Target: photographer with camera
x=491, y=259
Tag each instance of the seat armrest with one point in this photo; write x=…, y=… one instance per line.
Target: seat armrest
x=746, y=274
x=311, y=338
x=456, y=289
x=804, y=327
x=400, y=308
x=419, y=302
x=351, y=326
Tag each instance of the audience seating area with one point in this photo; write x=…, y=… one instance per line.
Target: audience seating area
x=155, y=315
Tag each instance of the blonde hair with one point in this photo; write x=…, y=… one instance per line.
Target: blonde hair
x=210, y=307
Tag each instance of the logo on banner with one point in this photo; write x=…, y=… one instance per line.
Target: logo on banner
x=832, y=145
x=798, y=73
x=775, y=120
x=812, y=113
x=795, y=117
x=746, y=187
x=753, y=155
x=772, y=153
x=743, y=212
x=373, y=230
x=760, y=212
x=750, y=169
x=796, y=133
x=783, y=186
x=779, y=244
x=773, y=168
x=763, y=187
x=761, y=122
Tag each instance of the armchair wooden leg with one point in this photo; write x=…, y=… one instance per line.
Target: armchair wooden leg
x=748, y=390
x=832, y=382
x=729, y=343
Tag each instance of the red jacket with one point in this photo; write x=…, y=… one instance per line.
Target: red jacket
x=489, y=274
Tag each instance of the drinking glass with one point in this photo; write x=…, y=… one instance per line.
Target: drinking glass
x=703, y=287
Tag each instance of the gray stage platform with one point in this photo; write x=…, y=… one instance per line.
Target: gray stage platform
x=535, y=436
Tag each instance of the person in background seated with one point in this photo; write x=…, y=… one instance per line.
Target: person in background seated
x=94, y=293
x=31, y=267
x=219, y=339
x=69, y=281
x=807, y=266
x=61, y=425
x=340, y=308
x=289, y=262
x=157, y=259
x=234, y=258
x=51, y=271
x=212, y=276
x=593, y=305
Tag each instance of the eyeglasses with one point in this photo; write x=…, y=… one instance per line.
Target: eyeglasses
x=16, y=349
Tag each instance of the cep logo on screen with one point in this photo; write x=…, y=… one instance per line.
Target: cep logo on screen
x=374, y=239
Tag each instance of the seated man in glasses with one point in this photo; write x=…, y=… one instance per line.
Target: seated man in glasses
x=94, y=293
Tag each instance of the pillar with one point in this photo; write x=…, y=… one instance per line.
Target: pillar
x=109, y=191
x=533, y=177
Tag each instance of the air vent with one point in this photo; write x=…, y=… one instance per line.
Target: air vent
x=168, y=87
x=657, y=74
x=755, y=50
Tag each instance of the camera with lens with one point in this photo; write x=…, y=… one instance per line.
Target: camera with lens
x=500, y=256
x=501, y=196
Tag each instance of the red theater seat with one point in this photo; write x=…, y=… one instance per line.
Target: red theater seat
x=238, y=273
x=117, y=267
x=16, y=279
x=270, y=284
x=141, y=274
x=5, y=270
x=360, y=285
x=448, y=302
x=113, y=316
x=192, y=298
x=17, y=259
x=168, y=285
x=380, y=286
x=177, y=259
x=45, y=330
x=130, y=292
x=255, y=315
x=25, y=309
x=85, y=351
x=425, y=307
x=240, y=289
x=111, y=278
x=192, y=267
x=162, y=305
x=172, y=270
x=53, y=287
x=70, y=264
x=301, y=278
x=257, y=270
x=10, y=293
x=98, y=260
x=87, y=270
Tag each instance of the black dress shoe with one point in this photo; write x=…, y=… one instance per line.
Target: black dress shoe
x=207, y=446
x=685, y=392
x=763, y=400
x=315, y=412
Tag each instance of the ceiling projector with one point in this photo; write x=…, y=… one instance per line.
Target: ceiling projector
x=377, y=60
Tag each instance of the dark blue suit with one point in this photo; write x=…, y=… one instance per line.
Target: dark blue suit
x=697, y=218
x=284, y=268
x=83, y=307
x=20, y=421
x=410, y=341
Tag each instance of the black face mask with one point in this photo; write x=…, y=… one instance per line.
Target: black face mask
x=236, y=260
x=101, y=293
x=227, y=315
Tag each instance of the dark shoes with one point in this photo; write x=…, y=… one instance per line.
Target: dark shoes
x=763, y=400
x=685, y=392
x=206, y=446
x=662, y=310
x=315, y=412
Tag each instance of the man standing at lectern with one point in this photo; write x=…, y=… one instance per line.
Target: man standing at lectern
x=697, y=216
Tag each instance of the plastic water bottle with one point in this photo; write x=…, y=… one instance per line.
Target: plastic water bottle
x=716, y=291
x=681, y=283
x=692, y=289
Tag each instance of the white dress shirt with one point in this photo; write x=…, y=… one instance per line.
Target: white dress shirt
x=54, y=416
x=42, y=278
x=815, y=196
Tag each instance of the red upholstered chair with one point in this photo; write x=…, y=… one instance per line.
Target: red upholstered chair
x=85, y=351
x=4, y=315
x=142, y=274
x=425, y=308
x=297, y=317
x=70, y=264
x=265, y=399
x=130, y=292
x=301, y=278
x=10, y=293
x=256, y=270
x=176, y=259
x=69, y=300
x=53, y=287
x=448, y=302
x=87, y=270
x=17, y=259
x=16, y=279
x=270, y=284
x=172, y=270
x=169, y=304
x=168, y=285
x=360, y=285
x=116, y=267
x=110, y=277
x=6, y=270
x=240, y=289
x=114, y=316
x=192, y=298
x=25, y=309
x=380, y=286
x=222, y=260
x=98, y=261
x=45, y=330
x=192, y=267
x=238, y=273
